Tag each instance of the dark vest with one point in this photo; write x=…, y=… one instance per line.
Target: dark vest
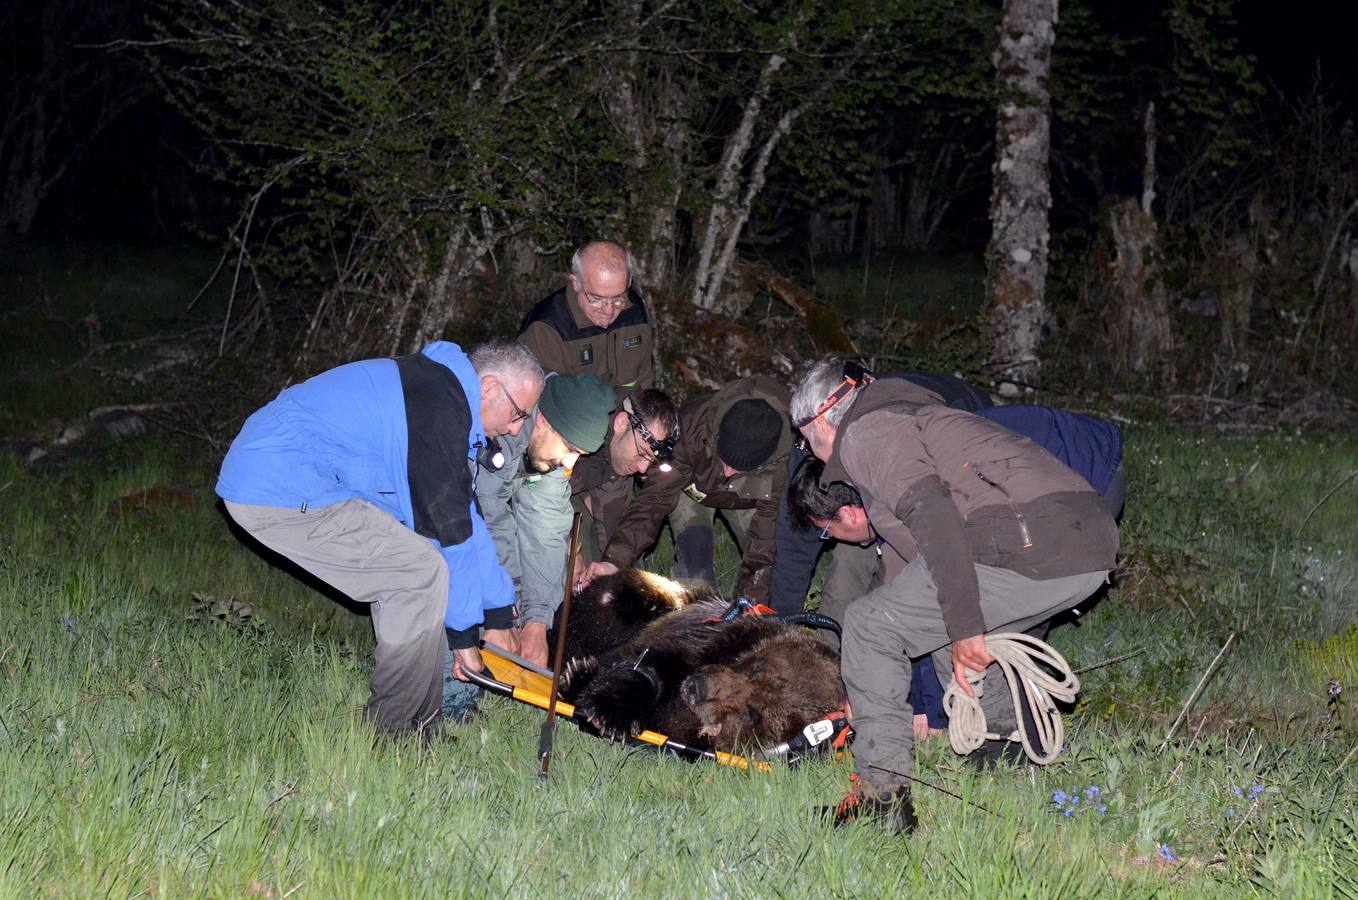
x=438, y=421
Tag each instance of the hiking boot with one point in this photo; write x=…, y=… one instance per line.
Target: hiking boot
x=892, y=807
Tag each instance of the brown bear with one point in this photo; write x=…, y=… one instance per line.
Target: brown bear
x=646, y=652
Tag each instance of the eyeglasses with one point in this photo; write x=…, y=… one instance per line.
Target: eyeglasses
x=825, y=532
x=644, y=452
x=661, y=449
x=618, y=302
x=519, y=413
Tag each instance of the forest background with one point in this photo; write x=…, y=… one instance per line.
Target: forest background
x=201, y=202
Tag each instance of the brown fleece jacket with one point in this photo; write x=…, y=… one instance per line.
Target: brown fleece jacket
x=959, y=490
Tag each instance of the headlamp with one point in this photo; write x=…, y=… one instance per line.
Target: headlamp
x=661, y=449
x=856, y=375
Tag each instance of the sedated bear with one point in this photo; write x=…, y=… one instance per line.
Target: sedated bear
x=646, y=652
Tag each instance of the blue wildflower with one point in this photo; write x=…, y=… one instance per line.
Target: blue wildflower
x=1069, y=811
x=1060, y=798
x=1236, y=791
x=1092, y=791
x=1256, y=791
x=1102, y=809
x=1230, y=813
x=70, y=625
x=1166, y=853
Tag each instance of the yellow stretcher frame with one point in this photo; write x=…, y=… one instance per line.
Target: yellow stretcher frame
x=509, y=679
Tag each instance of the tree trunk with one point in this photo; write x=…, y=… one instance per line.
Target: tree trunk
x=1016, y=259
x=1140, y=326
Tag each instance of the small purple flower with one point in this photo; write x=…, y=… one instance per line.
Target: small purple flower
x=1102, y=809
x=1060, y=798
x=1166, y=853
x=70, y=625
x=1230, y=813
x=1256, y=791
x=1092, y=791
x=1069, y=811
x=1236, y=791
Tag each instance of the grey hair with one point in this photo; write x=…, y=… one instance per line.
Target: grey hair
x=577, y=259
x=814, y=387
x=508, y=361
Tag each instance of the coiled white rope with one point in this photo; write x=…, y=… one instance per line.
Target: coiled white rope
x=1027, y=664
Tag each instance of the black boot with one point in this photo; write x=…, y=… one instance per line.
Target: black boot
x=892, y=807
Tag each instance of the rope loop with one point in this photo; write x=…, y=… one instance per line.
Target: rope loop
x=1027, y=664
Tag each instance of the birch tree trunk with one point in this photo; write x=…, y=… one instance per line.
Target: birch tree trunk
x=1016, y=260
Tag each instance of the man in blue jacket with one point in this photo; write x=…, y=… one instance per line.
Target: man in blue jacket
x=364, y=476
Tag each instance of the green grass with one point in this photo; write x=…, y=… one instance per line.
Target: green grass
x=150, y=747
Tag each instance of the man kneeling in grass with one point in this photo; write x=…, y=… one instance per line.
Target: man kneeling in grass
x=1000, y=536
x=364, y=477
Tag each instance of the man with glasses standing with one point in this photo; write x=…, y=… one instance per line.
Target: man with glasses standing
x=364, y=476
x=597, y=323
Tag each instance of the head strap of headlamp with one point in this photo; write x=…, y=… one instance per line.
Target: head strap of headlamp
x=856, y=375
x=662, y=448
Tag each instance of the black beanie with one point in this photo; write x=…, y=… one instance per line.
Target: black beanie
x=748, y=434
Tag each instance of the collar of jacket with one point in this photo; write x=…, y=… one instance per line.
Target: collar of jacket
x=891, y=393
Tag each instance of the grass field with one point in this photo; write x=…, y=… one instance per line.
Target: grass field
x=154, y=740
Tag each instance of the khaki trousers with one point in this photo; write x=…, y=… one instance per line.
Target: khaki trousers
x=901, y=619
x=370, y=557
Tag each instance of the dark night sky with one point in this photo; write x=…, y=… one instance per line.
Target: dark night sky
x=1289, y=39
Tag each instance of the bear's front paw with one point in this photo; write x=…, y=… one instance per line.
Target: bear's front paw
x=618, y=701
x=577, y=675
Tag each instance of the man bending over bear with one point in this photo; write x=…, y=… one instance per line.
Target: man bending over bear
x=999, y=534
x=364, y=477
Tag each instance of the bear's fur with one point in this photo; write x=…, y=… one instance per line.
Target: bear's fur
x=646, y=652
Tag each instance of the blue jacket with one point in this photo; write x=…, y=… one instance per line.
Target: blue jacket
x=1090, y=446
x=345, y=434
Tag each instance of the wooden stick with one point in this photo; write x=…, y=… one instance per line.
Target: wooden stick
x=1188, y=704
x=1109, y=662
x=1346, y=480
x=1339, y=768
x=549, y=726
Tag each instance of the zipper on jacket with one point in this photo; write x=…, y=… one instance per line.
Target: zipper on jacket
x=1018, y=513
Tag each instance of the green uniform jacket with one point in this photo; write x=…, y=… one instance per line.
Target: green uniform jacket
x=564, y=340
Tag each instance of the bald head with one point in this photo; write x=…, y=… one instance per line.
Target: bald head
x=601, y=274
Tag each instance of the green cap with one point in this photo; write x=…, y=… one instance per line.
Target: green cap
x=579, y=408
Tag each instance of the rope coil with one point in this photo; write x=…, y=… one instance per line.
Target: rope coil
x=1027, y=664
